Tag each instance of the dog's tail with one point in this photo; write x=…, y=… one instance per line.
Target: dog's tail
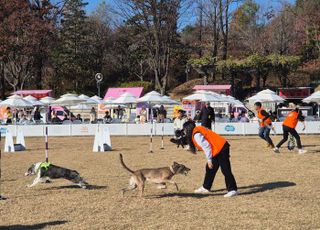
x=124, y=165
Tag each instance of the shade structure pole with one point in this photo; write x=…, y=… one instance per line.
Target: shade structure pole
x=1, y=197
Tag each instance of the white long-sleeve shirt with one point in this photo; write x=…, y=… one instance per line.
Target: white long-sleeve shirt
x=204, y=144
x=178, y=123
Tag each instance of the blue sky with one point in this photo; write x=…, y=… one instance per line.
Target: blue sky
x=92, y=4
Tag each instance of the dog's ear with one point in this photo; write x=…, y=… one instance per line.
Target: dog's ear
x=175, y=163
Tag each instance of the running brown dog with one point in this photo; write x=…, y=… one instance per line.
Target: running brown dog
x=158, y=175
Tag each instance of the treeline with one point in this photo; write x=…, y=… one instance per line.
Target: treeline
x=56, y=45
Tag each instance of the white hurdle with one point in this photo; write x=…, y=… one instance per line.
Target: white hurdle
x=8, y=143
x=20, y=138
x=102, y=140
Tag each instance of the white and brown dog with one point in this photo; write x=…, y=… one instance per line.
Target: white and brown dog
x=46, y=171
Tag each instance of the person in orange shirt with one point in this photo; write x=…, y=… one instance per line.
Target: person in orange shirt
x=289, y=125
x=265, y=124
x=217, y=151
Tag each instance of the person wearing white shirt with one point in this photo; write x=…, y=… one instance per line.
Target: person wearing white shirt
x=179, y=122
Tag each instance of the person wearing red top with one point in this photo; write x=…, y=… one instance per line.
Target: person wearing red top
x=288, y=126
x=265, y=124
x=217, y=151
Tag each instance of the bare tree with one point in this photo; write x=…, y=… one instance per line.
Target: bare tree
x=156, y=24
x=17, y=70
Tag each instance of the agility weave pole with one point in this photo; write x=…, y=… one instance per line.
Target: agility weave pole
x=47, y=145
x=162, y=135
x=1, y=197
x=151, y=144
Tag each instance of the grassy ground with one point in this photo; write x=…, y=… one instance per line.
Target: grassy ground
x=277, y=191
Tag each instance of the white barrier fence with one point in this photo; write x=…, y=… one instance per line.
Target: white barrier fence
x=312, y=127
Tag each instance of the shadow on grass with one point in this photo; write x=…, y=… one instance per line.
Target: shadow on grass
x=89, y=187
x=33, y=226
x=311, y=145
x=252, y=189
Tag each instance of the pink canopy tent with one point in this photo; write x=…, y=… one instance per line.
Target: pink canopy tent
x=117, y=92
x=225, y=89
x=35, y=93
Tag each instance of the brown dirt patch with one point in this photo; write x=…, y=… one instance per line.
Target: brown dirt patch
x=277, y=191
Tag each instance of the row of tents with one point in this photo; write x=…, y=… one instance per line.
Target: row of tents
x=152, y=97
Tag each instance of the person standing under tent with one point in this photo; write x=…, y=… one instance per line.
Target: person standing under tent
x=37, y=116
x=265, y=124
x=9, y=116
x=93, y=115
x=162, y=114
x=289, y=125
x=179, y=122
x=143, y=115
x=207, y=116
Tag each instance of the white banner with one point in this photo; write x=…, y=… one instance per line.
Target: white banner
x=312, y=127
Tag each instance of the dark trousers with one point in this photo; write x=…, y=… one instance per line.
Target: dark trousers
x=293, y=132
x=264, y=133
x=207, y=124
x=221, y=160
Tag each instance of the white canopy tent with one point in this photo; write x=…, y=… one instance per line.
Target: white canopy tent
x=152, y=97
x=68, y=100
x=169, y=101
x=16, y=102
x=315, y=97
x=203, y=96
x=47, y=100
x=81, y=106
x=33, y=101
x=82, y=96
x=267, y=96
x=96, y=99
x=126, y=98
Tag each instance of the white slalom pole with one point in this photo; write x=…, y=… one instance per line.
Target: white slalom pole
x=151, y=146
x=47, y=145
x=162, y=142
x=1, y=197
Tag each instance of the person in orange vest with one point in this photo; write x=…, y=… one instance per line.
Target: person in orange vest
x=217, y=151
x=289, y=125
x=265, y=124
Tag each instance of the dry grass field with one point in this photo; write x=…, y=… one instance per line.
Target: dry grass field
x=277, y=191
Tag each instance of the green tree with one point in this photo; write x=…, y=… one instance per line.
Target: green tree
x=259, y=67
x=283, y=65
x=231, y=68
x=71, y=59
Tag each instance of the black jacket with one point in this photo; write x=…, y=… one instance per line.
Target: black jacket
x=207, y=116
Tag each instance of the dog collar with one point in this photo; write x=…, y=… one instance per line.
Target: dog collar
x=45, y=165
x=171, y=169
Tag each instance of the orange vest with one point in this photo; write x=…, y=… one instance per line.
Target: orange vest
x=261, y=117
x=216, y=141
x=291, y=120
